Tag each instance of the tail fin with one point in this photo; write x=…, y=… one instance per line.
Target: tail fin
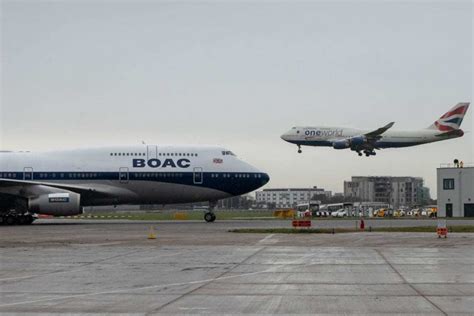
x=451, y=120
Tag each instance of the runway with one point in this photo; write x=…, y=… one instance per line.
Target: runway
x=110, y=267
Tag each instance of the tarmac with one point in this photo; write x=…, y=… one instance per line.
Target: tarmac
x=110, y=267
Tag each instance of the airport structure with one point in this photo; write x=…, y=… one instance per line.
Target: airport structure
x=289, y=197
x=396, y=191
x=455, y=191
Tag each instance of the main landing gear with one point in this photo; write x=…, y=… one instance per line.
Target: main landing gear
x=209, y=216
x=368, y=153
x=13, y=218
x=299, y=149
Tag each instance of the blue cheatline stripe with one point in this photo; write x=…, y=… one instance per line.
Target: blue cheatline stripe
x=381, y=144
x=234, y=183
x=457, y=121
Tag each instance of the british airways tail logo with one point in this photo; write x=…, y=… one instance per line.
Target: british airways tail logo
x=157, y=163
x=452, y=120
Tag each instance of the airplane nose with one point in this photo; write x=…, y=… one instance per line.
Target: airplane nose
x=284, y=137
x=265, y=178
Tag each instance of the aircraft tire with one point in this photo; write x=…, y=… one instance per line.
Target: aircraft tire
x=21, y=220
x=209, y=217
x=9, y=220
x=29, y=220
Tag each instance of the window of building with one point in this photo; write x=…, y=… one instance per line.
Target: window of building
x=448, y=184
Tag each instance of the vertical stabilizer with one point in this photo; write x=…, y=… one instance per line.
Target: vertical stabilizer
x=451, y=120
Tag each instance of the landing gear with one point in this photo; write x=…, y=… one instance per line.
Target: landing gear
x=368, y=153
x=359, y=153
x=13, y=218
x=299, y=149
x=209, y=216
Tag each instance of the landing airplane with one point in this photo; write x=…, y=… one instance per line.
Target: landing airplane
x=61, y=183
x=447, y=127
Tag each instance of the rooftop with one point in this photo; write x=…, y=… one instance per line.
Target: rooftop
x=453, y=166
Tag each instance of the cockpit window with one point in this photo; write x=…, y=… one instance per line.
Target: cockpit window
x=227, y=153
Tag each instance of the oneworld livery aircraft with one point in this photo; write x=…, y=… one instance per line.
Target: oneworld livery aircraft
x=447, y=127
x=61, y=183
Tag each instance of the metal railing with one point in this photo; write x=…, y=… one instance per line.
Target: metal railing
x=452, y=165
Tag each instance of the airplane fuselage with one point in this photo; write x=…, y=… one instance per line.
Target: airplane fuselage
x=326, y=136
x=145, y=174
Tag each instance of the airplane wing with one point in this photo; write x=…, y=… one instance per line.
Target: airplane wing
x=29, y=188
x=376, y=134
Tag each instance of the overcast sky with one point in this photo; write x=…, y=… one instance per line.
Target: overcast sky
x=238, y=74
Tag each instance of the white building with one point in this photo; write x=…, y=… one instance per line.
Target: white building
x=455, y=191
x=289, y=197
x=396, y=191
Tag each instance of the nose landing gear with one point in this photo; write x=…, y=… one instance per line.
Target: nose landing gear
x=209, y=215
x=299, y=149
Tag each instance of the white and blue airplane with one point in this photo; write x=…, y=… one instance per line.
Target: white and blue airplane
x=447, y=127
x=61, y=183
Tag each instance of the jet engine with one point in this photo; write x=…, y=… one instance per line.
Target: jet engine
x=349, y=142
x=341, y=144
x=56, y=204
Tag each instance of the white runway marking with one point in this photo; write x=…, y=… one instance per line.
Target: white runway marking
x=268, y=240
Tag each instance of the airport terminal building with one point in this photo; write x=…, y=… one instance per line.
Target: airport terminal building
x=396, y=191
x=455, y=191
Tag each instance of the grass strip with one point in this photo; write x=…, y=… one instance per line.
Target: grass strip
x=418, y=229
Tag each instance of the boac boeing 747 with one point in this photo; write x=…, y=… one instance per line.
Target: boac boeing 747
x=61, y=183
x=447, y=127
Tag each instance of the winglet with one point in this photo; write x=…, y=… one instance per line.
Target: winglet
x=389, y=125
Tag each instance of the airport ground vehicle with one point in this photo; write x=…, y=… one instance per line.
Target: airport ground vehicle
x=61, y=183
x=312, y=207
x=340, y=213
x=382, y=212
x=399, y=213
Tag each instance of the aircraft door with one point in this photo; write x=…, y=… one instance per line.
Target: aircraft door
x=28, y=174
x=197, y=176
x=152, y=152
x=123, y=175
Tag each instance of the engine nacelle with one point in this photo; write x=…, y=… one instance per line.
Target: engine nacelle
x=56, y=204
x=349, y=142
x=341, y=144
x=357, y=140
